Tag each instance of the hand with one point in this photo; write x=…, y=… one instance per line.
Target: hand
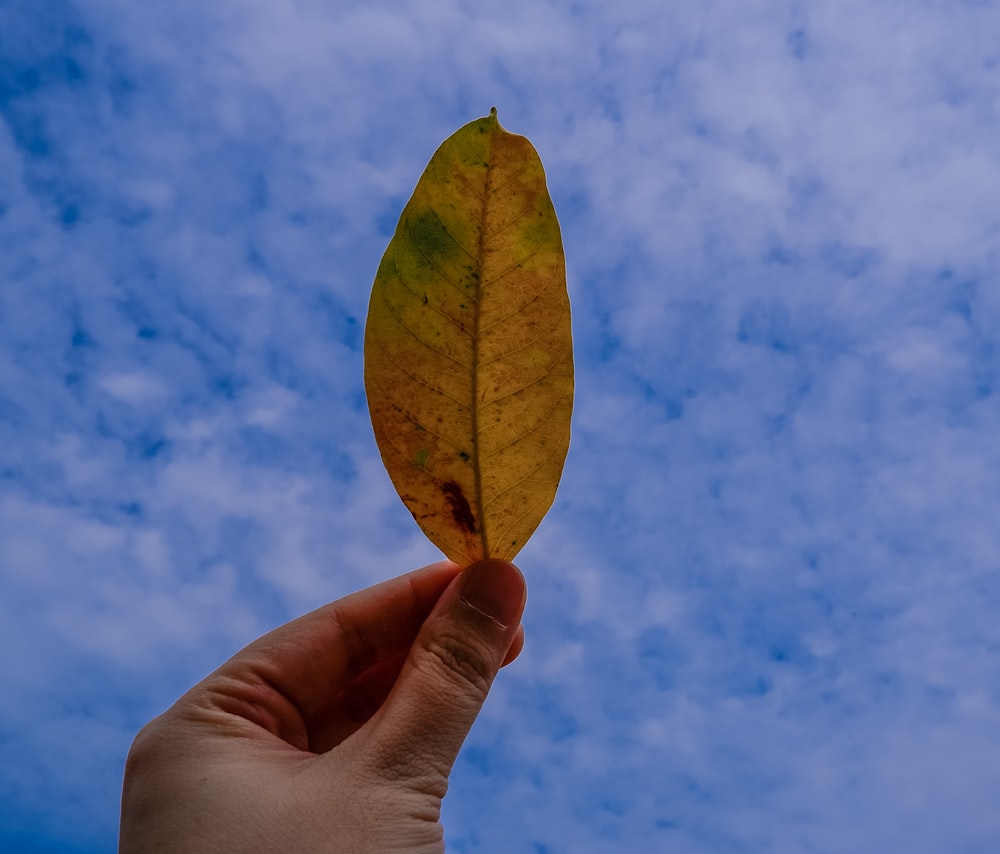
x=335, y=732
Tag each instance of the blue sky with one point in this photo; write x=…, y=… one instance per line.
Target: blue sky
x=762, y=611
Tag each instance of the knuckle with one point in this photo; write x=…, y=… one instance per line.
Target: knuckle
x=411, y=772
x=466, y=663
x=144, y=745
x=146, y=749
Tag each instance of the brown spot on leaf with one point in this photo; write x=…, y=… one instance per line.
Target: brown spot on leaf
x=460, y=510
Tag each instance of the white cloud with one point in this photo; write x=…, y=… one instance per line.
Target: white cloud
x=132, y=387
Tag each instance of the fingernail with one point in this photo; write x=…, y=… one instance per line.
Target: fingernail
x=494, y=588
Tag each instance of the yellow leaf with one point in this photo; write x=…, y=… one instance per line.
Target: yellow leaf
x=468, y=346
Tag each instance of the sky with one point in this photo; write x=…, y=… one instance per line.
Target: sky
x=762, y=610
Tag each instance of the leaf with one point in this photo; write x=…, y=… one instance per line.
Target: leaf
x=468, y=346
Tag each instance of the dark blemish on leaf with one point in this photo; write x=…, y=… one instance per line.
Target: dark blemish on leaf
x=425, y=299
x=461, y=512
x=463, y=456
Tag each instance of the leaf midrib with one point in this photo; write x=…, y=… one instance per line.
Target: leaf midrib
x=477, y=474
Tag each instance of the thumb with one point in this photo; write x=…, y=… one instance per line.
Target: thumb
x=445, y=680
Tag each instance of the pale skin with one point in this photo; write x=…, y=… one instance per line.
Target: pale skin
x=336, y=732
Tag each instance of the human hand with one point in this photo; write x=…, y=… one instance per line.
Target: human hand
x=335, y=732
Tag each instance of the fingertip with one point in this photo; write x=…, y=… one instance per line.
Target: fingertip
x=495, y=588
x=516, y=646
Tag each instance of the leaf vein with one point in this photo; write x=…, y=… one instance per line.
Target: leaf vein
x=537, y=426
x=433, y=308
x=533, y=382
x=517, y=218
x=524, y=168
x=445, y=229
x=545, y=333
x=432, y=263
x=414, y=377
x=527, y=476
x=402, y=449
x=529, y=511
x=515, y=266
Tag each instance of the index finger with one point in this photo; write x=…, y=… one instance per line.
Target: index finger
x=308, y=661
